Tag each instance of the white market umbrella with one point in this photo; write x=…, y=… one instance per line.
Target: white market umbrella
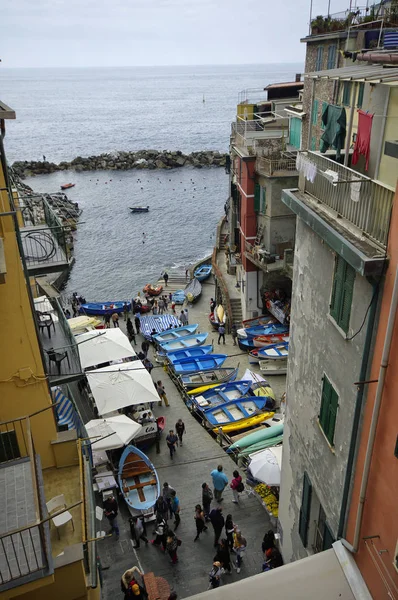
x=113, y=432
x=103, y=345
x=265, y=465
x=121, y=385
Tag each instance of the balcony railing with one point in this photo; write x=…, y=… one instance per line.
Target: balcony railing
x=361, y=201
x=268, y=166
x=253, y=134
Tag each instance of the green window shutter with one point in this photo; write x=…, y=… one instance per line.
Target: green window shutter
x=346, y=93
x=305, y=510
x=346, y=298
x=313, y=144
x=319, y=59
x=315, y=112
x=337, y=291
x=328, y=411
x=257, y=191
x=328, y=538
x=325, y=401
x=361, y=90
x=295, y=132
x=263, y=200
x=324, y=107
x=331, y=57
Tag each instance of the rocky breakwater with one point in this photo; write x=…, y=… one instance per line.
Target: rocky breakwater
x=123, y=161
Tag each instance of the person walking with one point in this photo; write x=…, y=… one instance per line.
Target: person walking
x=138, y=531
x=215, y=576
x=207, y=497
x=229, y=530
x=220, y=481
x=147, y=364
x=239, y=548
x=111, y=510
x=223, y=556
x=180, y=429
x=167, y=491
x=166, y=278
x=217, y=521
x=160, y=532
x=155, y=308
x=221, y=333
x=125, y=311
x=129, y=579
x=186, y=317
x=183, y=318
x=161, y=392
x=171, y=546
x=161, y=508
x=212, y=305
x=166, y=303
x=237, y=486
x=137, y=322
x=145, y=347
x=171, y=440
x=107, y=321
x=161, y=306
x=130, y=331
x=268, y=541
x=115, y=319
x=173, y=307
x=199, y=521
x=234, y=333
x=175, y=507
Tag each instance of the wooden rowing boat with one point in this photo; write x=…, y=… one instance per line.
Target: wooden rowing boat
x=138, y=479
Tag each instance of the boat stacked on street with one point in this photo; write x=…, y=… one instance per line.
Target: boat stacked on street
x=203, y=272
x=193, y=290
x=104, y=308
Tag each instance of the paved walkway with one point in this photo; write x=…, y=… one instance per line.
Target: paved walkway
x=191, y=466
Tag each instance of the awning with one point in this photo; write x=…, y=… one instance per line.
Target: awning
x=330, y=575
x=121, y=385
x=113, y=432
x=103, y=345
x=371, y=73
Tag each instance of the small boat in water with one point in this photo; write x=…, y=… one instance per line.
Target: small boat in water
x=203, y=380
x=274, y=352
x=139, y=209
x=152, y=290
x=138, y=479
x=189, y=352
x=193, y=290
x=178, y=297
x=222, y=394
x=267, y=340
x=173, y=334
x=236, y=410
x=202, y=272
x=199, y=363
x=188, y=341
x=67, y=186
x=103, y=308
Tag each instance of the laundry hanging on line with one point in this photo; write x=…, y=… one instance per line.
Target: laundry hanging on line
x=362, y=143
x=305, y=166
x=335, y=122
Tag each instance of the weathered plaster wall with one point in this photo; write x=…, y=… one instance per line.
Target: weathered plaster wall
x=278, y=220
x=317, y=347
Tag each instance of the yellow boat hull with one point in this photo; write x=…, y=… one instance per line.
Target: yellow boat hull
x=265, y=391
x=203, y=388
x=245, y=423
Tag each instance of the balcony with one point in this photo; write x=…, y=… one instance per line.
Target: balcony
x=361, y=16
x=259, y=257
x=276, y=167
x=58, y=342
x=345, y=207
x=254, y=136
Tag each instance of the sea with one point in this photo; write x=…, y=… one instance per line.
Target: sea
x=65, y=113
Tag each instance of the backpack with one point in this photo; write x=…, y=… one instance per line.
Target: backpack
x=240, y=487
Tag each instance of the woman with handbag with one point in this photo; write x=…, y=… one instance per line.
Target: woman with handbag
x=172, y=544
x=237, y=486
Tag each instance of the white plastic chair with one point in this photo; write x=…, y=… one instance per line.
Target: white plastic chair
x=54, y=505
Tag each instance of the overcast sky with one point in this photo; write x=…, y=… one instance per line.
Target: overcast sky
x=79, y=33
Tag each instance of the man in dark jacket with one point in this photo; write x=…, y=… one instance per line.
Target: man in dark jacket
x=217, y=520
x=207, y=497
x=111, y=510
x=180, y=429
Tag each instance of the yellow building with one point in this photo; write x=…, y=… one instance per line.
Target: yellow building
x=38, y=461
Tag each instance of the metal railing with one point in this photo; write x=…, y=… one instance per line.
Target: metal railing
x=71, y=345
x=363, y=202
x=43, y=247
x=270, y=166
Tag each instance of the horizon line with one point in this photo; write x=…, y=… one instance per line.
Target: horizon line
x=3, y=67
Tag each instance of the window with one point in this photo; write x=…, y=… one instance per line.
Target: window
x=361, y=90
x=295, y=132
x=347, y=93
x=9, y=449
x=305, y=510
x=319, y=59
x=331, y=57
x=328, y=412
x=257, y=194
x=342, y=292
x=324, y=107
x=323, y=535
x=314, y=115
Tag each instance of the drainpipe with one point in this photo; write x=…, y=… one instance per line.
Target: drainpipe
x=358, y=411
x=375, y=414
x=378, y=57
x=349, y=132
x=310, y=114
x=383, y=129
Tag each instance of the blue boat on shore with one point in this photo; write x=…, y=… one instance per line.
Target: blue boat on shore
x=200, y=363
x=274, y=352
x=233, y=390
x=246, y=344
x=189, y=353
x=252, y=332
x=182, y=343
x=203, y=272
x=104, y=308
x=236, y=410
x=138, y=479
x=178, y=297
x=212, y=377
x=173, y=334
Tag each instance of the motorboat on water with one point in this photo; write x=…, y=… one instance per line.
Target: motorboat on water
x=67, y=186
x=139, y=209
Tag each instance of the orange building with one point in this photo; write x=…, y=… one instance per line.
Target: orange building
x=372, y=527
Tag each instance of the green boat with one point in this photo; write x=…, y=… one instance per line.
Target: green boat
x=261, y=445
x=262, y=435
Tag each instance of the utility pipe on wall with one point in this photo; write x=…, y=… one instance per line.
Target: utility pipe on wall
x=375, y=415
x=349, y=132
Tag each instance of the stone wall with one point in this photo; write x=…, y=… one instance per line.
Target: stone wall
x=123, y=161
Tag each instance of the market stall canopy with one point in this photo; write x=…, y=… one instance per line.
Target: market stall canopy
x=328, y=575
x=113, y=432
x=101, y=346
x=82, y=323
x=266, y=465
x=121, y=385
